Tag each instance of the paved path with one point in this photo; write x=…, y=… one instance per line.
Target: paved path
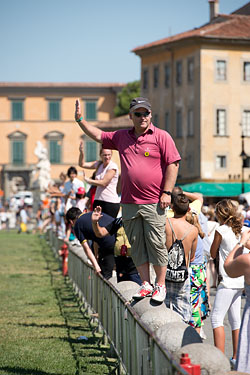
x=209, y=332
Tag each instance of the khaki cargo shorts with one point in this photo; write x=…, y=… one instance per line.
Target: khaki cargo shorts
x=145, y=228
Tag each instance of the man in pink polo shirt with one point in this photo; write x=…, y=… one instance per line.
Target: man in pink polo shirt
x=149, y=167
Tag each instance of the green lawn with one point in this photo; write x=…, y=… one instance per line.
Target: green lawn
x=40, y=319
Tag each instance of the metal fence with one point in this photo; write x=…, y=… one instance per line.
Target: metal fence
x=137, y=348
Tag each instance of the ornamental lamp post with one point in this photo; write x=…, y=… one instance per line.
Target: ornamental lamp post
x=244, y=157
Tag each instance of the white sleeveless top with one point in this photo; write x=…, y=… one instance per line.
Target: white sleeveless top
x=228, y=242
x=108, y=193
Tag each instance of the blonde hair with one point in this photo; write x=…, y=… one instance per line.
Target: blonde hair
x=193, y=219
x=226, y=213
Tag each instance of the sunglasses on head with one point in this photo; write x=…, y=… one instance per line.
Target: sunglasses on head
x=142, y=114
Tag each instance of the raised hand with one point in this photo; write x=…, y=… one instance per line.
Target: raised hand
x=81, y=147
x=78, y=110
x=96, y=214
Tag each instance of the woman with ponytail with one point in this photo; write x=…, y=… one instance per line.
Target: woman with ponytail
x=228, y=295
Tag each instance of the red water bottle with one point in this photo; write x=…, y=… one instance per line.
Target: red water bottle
x=123, y=250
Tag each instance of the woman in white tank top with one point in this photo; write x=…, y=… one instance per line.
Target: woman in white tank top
x=106, y=180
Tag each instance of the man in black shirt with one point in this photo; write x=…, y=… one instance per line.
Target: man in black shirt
x=83, y=230
x=125, y=267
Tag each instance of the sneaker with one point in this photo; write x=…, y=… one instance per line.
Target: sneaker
x=145, y=290
x=159, y=293
x=233, y=363
x=202, y=334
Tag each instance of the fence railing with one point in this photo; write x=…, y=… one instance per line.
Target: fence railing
x=138, y=349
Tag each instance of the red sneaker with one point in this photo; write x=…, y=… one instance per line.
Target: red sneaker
x=145, y=290
x=159, y=293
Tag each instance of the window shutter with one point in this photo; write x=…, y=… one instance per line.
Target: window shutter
x=17, y=110
x=90, y=110
x=54, y=111
x=55, y=152
x=90, y=150
x=17, y=152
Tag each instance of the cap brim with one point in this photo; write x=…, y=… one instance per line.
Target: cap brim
x=140, y=106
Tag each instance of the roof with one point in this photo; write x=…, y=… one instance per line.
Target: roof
x=121, y=122
x=227, y=27
x=60, y=84
x=243, y=10
x=216, y=189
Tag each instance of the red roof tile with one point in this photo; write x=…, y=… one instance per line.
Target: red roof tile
x=223, y=26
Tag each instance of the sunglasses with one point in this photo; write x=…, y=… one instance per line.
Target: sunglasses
x=141, y=114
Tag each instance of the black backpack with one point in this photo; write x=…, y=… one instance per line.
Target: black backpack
x=177, y=270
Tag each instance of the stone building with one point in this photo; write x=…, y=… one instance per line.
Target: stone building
x=32, y=112
x=198, y=83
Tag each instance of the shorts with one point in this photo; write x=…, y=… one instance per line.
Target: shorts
x=145, y=228
x=197, y=280
x=178, y=298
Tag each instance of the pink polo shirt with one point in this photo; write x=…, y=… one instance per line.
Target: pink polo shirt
x=143, y=162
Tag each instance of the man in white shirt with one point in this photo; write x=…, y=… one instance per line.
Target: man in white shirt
x=71, y=187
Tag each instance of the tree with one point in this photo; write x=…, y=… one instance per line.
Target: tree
x=130, y=91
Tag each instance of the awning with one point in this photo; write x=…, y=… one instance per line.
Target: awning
x=214, y=189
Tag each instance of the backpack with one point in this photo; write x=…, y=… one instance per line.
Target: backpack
x=121, y=239
x=177, y=270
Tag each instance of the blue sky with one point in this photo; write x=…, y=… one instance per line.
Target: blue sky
x=89, y=40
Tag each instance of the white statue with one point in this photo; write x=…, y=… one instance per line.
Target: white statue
x=43, y=166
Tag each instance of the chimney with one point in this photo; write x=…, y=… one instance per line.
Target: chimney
x=214, y=8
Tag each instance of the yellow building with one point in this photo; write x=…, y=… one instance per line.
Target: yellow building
x=31, y=112
x=199, y=85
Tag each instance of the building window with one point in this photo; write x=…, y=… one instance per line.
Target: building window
x=54, y=110
x=55, y=147
x=246, y=123
x=179, y=124
x=167, y=121
x=17, y=152
x=221, y=161
x=246, y=162
x=178, y=73
x=190, y=123
x=190, y=70
x=17, y=147
x=156, y=120
x=221, y=70
x=221, y=122
x=156, y=76
x=90, y=150
x=246, y=71
x=17, y=110
x=190, y=162
x=145, y=79
x=90, y=110
x=167, y=77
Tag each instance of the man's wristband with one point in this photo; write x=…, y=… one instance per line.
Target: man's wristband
x=80, y=119
x=167, y=192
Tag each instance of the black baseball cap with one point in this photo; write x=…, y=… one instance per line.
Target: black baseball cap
x=139, y=103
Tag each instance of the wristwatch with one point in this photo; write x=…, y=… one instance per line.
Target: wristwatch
x=167, y=192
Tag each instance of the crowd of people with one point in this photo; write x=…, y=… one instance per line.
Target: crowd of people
x=154, y=223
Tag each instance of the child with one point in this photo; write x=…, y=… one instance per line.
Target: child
x=81, y=199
